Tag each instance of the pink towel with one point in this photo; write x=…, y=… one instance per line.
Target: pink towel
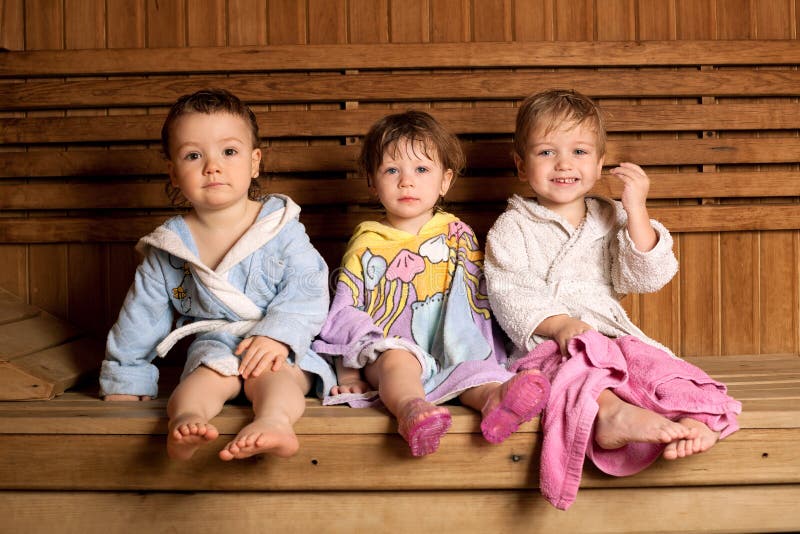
x=638, y=373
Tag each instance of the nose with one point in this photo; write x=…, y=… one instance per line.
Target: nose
x=211, y=166
x=405, y=180
x=563, y=162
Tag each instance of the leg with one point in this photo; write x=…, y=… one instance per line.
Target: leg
x=196, y=400
x=508, y=405
x=396, y=374
x=278, y=399
x=703, y=440
x=619, y=423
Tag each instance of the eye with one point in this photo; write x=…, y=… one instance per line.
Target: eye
x=546, y=152
x=390, y=170
x=422, y=170
x=191, y=156
x=230, y=151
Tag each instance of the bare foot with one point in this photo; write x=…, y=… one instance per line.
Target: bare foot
x=619, y=423
x=703, y=440
x=186, y=435
x=262, y=436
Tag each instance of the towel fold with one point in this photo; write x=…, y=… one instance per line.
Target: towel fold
x=637, y=373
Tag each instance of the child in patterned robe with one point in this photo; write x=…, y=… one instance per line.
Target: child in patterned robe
x=410, y=310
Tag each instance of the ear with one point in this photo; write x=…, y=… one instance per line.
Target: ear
x=255, y=163
x=171, y=171
x=519, y=163
x=600, y=164
x=447, y=181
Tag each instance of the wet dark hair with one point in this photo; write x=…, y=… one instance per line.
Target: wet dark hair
x=208, y=101
x=551, y=108
x=419, y=129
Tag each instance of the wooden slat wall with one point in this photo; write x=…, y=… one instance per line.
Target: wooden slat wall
x=738, y=291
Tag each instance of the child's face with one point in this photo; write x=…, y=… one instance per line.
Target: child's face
x=408, y=185
x=212, y=159
x=561, y=166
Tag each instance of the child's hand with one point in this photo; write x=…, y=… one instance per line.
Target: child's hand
x=260, y=353
x=570, y=328
x=636, y=185
x=634, y=198
x=355, y=385
x=114, y=398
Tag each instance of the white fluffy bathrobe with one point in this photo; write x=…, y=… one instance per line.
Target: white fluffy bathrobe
x=537, y=265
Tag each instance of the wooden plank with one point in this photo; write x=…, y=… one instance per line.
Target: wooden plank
x=48, y=373
x=355, y=122
x=755, y=380
x=329, y=158
x=399, y=56
x=13, y=309
x=38, y=357
x=737, y=509
x=322, y=226
x=383, y=462
x=398, y=87
x=33, y=335
x=497, y=155
x=323, y=191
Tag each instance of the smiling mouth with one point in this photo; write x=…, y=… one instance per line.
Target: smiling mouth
x=407, y=199
x=571, y=180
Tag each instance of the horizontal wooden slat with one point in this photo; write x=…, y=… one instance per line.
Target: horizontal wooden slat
x=355, y=122
x=47, y=373
x=497, y=155
x=12, y=309
x=80, y=411
x=321, y=191
x=397, y=56
x=736, y=509
x=335, y=158
x=35, y=334
x=367, y=87
x=748, y=456
x=709, y=218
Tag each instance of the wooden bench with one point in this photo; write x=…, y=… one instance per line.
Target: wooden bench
x=714, y=122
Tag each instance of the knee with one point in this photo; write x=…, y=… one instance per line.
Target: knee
x=394, y=359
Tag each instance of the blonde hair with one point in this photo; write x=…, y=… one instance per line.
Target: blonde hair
x=550, y=109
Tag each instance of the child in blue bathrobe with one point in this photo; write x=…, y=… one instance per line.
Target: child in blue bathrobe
x=237, y=272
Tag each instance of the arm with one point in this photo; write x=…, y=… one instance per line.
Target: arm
x=127, y=373
x=642, y=256
x=296, y=312
x=634, y=200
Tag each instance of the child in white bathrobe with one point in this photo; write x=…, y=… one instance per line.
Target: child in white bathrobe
x=237, y=271
x=557, y=264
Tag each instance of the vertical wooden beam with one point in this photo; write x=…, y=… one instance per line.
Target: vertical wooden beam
x=166, y=23
x=125, y=24
x=533, y=20
x=206, y=23
x=777, y=325
x=450, y=21
x=12, y=25
x=699, y=275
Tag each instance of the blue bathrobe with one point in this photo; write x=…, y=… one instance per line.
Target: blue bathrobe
x=271, y=283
